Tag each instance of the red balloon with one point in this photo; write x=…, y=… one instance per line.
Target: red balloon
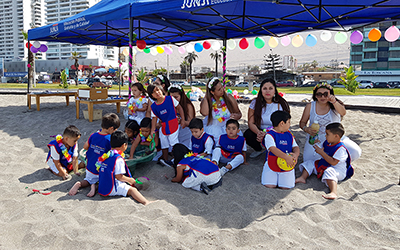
x=243, y=44
x=141, y=44
x=206, y=45
x=28, y=46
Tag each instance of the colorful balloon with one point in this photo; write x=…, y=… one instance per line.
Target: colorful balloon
x=138, y=49
x=392, y=34
x=231, y=44
x=146, y=50
x=216, y=45
x=273, y=42
x=243, y=44
x=285, y=41
x=141, y=44
x=43, y=48
x=245, y=91
x=160, y=49
x=28, y=45
x=168, y=50
x=190, y=48
x=254, y=92
x=125, y=52
x=356, y=37
x=198, y=47
x=206, y=45
x=325, y=35
x=34, y=49
x=297, y=41
x=340, y=37
x=311, y=40
x=259, y=43
x=36, y=44
x=374, y=35
x=229, y=91
x=153, y=51
x=235, y=92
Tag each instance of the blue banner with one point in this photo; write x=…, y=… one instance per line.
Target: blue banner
x=1, y=66
x=15, y=74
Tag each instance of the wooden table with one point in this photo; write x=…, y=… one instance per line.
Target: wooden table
x=43, y=94
x=91, y=102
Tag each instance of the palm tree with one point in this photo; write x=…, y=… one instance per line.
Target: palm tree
x=75, y=56
x=217, y=57
x=31, y=61
x=190, y=58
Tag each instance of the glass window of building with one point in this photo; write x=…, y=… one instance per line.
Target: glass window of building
x=394, y=54
x=356, y=57
x=395, y=44
x=369, y=45
x=369, y=55
x=382, y=54
x=369, y=65
x=383, y=44
x=356, y=48
x=382, y=65
x=394, y=65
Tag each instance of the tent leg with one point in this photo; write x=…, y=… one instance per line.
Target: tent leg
x=130, y=53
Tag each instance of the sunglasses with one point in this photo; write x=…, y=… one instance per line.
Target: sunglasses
x=319, y=94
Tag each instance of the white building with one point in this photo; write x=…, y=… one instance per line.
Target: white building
x=289, y=62
x=58, y=10
x=17, y=15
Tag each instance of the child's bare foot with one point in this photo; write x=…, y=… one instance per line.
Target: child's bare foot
x=175, y=180
x=300, y=180
x=330, y=196
x=92, y=192
x=75, y=188
x=148, y=202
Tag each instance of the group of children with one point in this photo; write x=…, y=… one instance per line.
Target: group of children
x=196, y=166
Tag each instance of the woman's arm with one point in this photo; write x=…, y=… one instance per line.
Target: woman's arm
x=304, y=118
x=236, y=111
x=190, y=114
x=340, y=109
x=251, y=122
x=204, y=107
x=180, y=111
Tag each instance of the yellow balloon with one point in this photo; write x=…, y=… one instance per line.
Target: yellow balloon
x=160, y=50
x=282, y=164
x=297, y=41
x=273, y=42
x=125, y=52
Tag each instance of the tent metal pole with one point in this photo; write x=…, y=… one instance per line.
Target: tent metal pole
x=224, y=58
x=119, y=70
x=130, y=53
x=29, y=78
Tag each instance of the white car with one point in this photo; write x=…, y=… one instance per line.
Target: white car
x=365, y=84
x=71, y=81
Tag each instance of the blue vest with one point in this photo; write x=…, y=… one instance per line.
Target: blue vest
x=198, y=144
x=231, y=147
x=98, y=145
x=167, y=114
x=107, y=175
x=63, y=160
x=200, y=165
x=330, y=150
x=284, y=142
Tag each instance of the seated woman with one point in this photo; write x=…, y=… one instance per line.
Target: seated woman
x=259, y=116
x=218, y=107
x=325, y=109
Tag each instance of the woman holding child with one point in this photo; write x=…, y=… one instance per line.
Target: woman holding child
x=259, y=115
x=325, y=109
x=218, y=107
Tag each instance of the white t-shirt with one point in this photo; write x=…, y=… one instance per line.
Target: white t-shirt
x=341, y=155
x=270, y=142
x=266, y=113
x=56, y=156
x=176, y=103
x=119, y=169
x=138, y=114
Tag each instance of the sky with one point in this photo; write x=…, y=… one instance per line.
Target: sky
x=322, y=52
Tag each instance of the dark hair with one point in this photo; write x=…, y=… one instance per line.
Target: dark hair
x=328, y=87
x=196, y=123
x=140, y=87
x=118, y=138
x=133, y=125
x=150, y=90
x=166, y=83
x=209, y=97
x=232, y=121
x=179, y=151
x=261, y=103
x=336, y=128
x=184, y=101
x=146, y=123
x=279, y=116
x=110, y=120
x=72, y=131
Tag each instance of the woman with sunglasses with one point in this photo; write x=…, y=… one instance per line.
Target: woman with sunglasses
x=324, y=109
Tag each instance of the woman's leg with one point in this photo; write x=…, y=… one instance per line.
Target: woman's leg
x=251, y=140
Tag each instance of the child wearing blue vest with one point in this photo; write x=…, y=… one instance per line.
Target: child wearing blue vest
x=195, y=172
x=164, y=109
x=200, y=143
x=113, y=172
x=144, y=138
x=97, y=144
x=334, y=166
x=63, y=153
x=230, y=148
x=280, y=143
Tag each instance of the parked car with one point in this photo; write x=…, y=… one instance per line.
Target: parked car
x=91, y=80
x=337, y=84
x=309, y=84
x=285, y=84
x=197, y=83
x=71, y=81
x=256, y=85
x=394, y=84
x=179, y=82
x=365, y=84
x=242, y=84
x=381, y=85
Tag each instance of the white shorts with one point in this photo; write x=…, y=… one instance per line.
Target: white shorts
x=194, y=180
x=122, y=189
x=168, y=140
x=52, y=166
x=281, y=179
x=91, y=178
x=332, y=174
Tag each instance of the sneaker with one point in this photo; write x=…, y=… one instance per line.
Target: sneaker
x=256, y=154
x=204, y=188
x=165, y=163
x=223, y=171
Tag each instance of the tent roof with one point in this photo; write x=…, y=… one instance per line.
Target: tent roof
x=182, y=21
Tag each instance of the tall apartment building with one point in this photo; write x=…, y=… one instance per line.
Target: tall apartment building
x=17, y=15
x=58, y=10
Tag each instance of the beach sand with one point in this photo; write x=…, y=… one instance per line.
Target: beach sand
x=241, y=214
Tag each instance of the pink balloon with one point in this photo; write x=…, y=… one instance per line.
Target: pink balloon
x=356, y=37
x=182, y=50
x=285, y=41
x=392, y=34
x=167, y=50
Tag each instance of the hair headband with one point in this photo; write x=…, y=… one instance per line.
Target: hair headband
x=174, y=86
x=211, y=82
x=324, y=84
x=161, y=77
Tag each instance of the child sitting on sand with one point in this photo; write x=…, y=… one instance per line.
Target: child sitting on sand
x=201, y=143
x=230, y=148
x=63, y=152
x=280, y=143
x=144, y=138
x=132, y=129
x=113, y=172
x=97, y=144
x=197, y=173
x=334, y=166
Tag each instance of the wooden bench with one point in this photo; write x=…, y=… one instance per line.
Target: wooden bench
x=90, y=104
x=38, y=95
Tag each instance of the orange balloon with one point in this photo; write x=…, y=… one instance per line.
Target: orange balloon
x=374, y=35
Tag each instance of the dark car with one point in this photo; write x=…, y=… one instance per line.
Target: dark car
x=382, y=85
x=197, y=83
x=309, y=84
x=337, y=84
x=92, y=80
x=285, y=84
x=394, y=84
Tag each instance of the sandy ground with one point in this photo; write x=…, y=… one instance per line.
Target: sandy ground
x=241, y=214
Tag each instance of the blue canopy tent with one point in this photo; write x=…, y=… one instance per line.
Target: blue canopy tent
x=117, y=22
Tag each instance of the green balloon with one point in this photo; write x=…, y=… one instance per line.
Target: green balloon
x=188, y=94
x=229, y=91
x=254, y=92
x=146, y=50
x=259, y=42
